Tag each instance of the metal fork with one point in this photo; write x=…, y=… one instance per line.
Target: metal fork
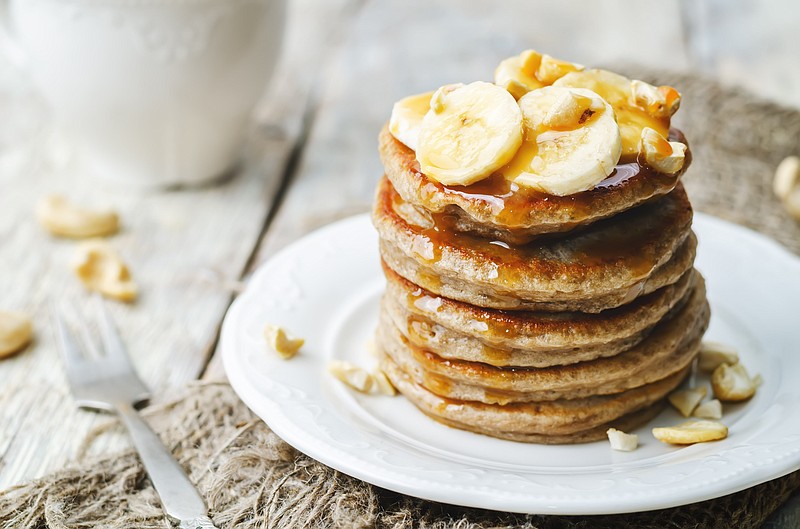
x=109, y=382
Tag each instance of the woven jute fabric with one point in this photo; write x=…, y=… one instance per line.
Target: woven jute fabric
x=253, y=479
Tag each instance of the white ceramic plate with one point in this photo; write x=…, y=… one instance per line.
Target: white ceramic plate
x=326, y=288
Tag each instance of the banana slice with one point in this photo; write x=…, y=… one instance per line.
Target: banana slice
x=470, y=132
x=530, y=70
x=618, y=92
x=572, y=141
x=517, y=74
x=406, y=119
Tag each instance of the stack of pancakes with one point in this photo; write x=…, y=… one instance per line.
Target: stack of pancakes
x=534, y=317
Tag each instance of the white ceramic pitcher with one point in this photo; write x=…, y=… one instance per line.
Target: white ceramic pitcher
x=154, y=93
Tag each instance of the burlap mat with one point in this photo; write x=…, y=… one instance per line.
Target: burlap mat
x=252, y=479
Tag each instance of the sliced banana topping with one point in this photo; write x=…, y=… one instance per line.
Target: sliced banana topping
x=617, y=91
x=572, y=141
x=550, y=69
x=518, y=74
x=662, y=155
x=531, y=70
x=406, y=119
x=570, y=130
x=470, y=132
x=658, y=101
x=567, y=111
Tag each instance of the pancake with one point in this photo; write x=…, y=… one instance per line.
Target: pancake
x=554, y=418
x=670, y=348
x=605, y=266
x=626, y=423
x=458, y=330
x=498, y=209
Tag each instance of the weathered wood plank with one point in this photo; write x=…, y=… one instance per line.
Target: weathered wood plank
x=177, y=244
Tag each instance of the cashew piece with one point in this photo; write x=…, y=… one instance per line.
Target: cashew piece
x=65, y=219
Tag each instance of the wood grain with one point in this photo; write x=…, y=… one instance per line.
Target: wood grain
x=180, y=247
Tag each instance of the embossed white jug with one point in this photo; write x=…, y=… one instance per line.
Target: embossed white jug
x=154, y=93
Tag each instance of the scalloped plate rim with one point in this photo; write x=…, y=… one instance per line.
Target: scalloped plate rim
x=354, y=463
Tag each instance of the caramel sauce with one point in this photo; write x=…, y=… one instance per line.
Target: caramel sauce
x=510, y=202
x=498, y=377
x=442, y=386
x=496, y=356
x=421, y=331
x=437, y=384
x=631, y=240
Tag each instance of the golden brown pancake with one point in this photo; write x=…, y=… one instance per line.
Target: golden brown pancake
x=553, y=418
x=604, y=266
x=458, y=330
x=498, y=209
x=671, y=347
x=626, y=423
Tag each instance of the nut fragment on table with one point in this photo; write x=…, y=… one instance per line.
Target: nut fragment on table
x=786, y=185
x=690, y=432
x=709, y=410
x=281, y=343
x=101, y=269
x=624, y=442
x=16, y=331
x=732, y=383
x=352, y=375
x=712, y=354
x=686, y=400
x=63, y=218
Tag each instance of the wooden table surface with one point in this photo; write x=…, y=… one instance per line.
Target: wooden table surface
x=312, y=159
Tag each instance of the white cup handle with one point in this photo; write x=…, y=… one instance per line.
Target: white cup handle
x=9, y=47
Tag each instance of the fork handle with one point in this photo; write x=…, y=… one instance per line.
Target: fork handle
x=178, y=496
